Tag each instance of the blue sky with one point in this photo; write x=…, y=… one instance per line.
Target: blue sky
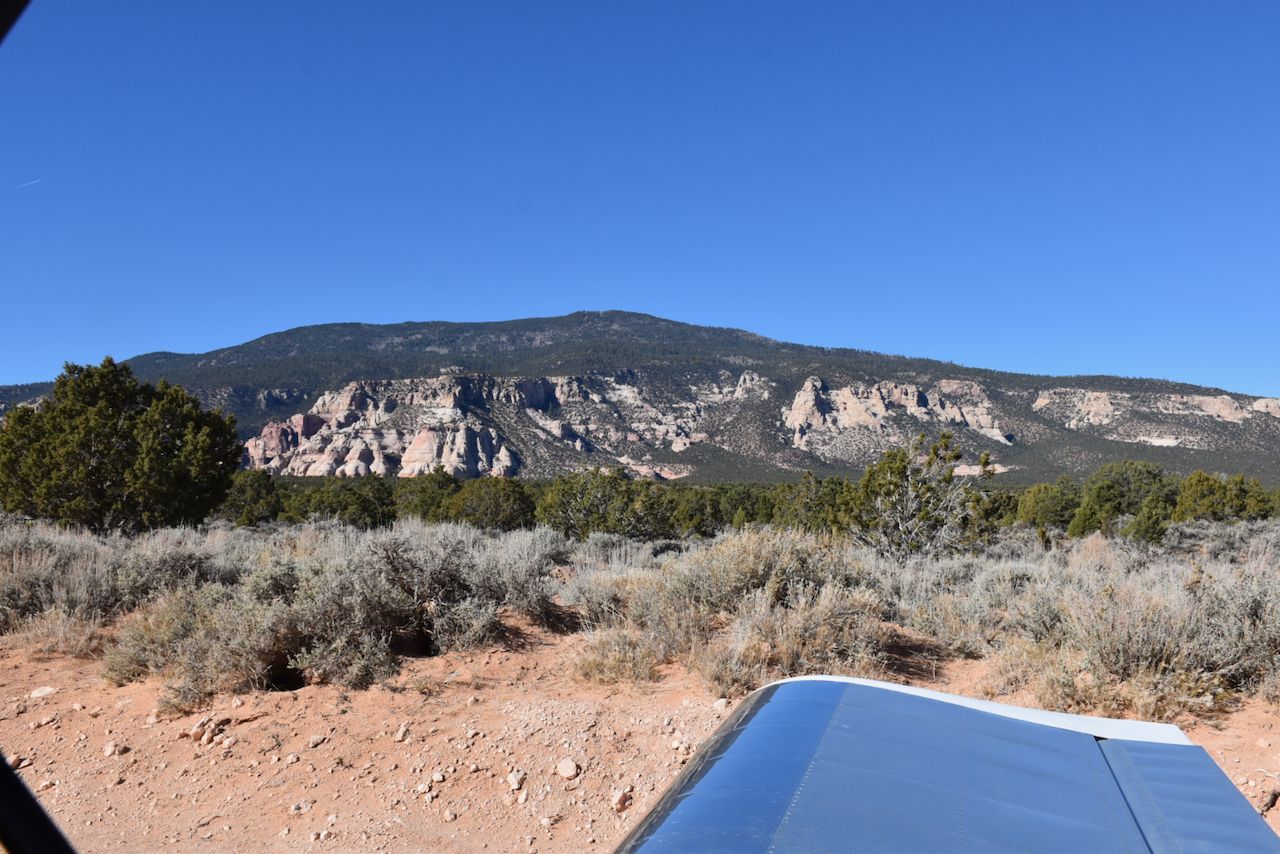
x=1052, y=187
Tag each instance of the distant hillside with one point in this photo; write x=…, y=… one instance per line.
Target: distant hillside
x=541, y=395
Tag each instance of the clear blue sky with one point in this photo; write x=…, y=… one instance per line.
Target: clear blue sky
x=1053, y=187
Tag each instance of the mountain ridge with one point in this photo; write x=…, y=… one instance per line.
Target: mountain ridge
x=630, y=365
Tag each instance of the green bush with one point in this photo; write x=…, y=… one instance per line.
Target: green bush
x=1051, y=505
x=252, y=500
x=493, y=503
x=367, y=502
x=1217, y=499
x=425, y=497
x=1118, y=490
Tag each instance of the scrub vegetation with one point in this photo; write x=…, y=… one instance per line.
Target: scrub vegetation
x=1103, y=624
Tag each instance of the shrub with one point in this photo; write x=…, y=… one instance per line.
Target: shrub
x=202, y=640
x=515, y=570
x=618, y=654
x=58, y=630
x=826, y=630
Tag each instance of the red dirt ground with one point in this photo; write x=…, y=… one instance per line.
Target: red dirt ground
x=471, y=717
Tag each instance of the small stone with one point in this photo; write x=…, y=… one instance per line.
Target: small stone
x=437, y=777
x=46, y=785
x=290, y=759
x=567, y=768
x=237, y=702
x=229, y=741
x=620, y=800
x=721, y=704
x=516, y=780
x=44, y=691
x=284, y=833
x=450, y=815
x=114, y=748
x=403, y=732
x=523, y=797
x=316, y=740
x=300, y=807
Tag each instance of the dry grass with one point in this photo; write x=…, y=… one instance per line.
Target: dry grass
x=60, y=631
x=618, y=654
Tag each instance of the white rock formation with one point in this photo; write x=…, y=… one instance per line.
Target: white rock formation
x=817, y=409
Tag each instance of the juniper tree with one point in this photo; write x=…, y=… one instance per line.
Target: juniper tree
x=109, y=453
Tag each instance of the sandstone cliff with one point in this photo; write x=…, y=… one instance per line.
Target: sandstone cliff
x=478, y=425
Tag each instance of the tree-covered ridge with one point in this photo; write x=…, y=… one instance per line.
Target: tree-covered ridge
x=329, y=355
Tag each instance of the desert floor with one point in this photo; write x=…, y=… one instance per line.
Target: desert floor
x=428, y=762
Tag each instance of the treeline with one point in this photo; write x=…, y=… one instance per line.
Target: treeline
x=1134, y=499
x=1140, y=500
x=908, y=501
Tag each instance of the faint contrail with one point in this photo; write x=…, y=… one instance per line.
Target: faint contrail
x=28, y=184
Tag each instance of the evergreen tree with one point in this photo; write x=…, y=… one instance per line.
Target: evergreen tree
x=1152, y=520
x=253, y=499
x=366, y=502
x=911, y=501
x=583, y=502
x=497, y=503
x=426, y=495
x=1116, y=491
x=1201, y=496
x=109, y=453
x=1246, y=499
x=1049, y=504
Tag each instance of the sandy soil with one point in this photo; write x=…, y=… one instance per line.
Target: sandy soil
x=423, y=764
